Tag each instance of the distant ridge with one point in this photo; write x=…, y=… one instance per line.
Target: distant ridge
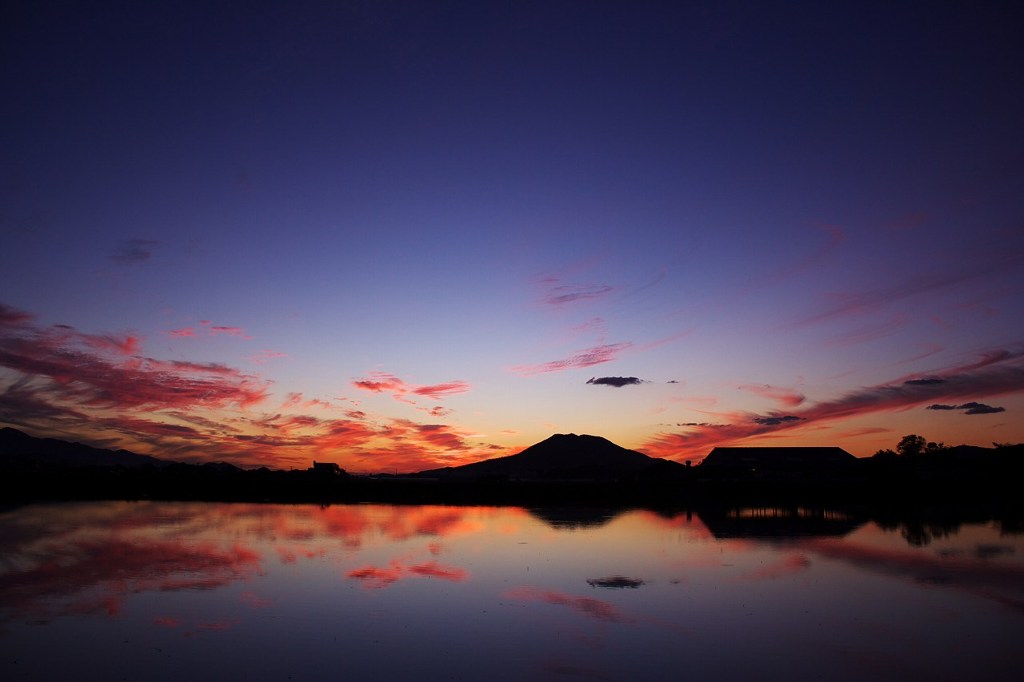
x=20, y=450
x=565, y=457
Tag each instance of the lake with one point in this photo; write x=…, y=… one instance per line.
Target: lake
x=173, y=591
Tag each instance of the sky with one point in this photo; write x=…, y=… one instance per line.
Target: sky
x=404, y=235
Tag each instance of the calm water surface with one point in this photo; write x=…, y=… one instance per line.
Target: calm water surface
x=150, y=590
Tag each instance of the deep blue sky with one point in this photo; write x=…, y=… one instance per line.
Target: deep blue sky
x=400, y=234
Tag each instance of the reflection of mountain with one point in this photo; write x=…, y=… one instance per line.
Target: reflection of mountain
x=19, y=449
x=573, y=518
x=566, y=457
x=778, y=521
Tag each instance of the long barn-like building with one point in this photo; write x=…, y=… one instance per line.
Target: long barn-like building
x=777, y=462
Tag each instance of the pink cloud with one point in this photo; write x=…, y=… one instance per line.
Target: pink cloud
x=868, y=333
x=847, y=304
x=588, y=357
x=86, y=387
x=211, y=330
x=120, y=345
x=13, y=318
x=786, y=397
x=266, y=356
x=89, y=370
x=382, y=382
x=996, y=372
x=437, y=391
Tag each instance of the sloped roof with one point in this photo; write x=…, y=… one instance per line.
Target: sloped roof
x=778, y=458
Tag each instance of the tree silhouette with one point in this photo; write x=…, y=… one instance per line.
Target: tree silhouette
x=911, y=445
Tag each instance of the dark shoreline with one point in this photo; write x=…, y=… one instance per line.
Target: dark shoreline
x=204, y=483
x=775, y=512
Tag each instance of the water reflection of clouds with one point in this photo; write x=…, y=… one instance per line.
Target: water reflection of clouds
x=1000, y=582
x=785, y=566
x=377, y=577
x=95, y=575
x=87, y=558
x=587, y=606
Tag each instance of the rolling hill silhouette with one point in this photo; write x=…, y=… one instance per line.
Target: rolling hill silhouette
x=22, y=450
x=565, y=457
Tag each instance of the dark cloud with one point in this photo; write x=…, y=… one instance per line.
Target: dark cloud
x=931, y=381
x=673, y=381
x=775, y=421
x=560, y=295
x=981, y=408
x=617, y=382
x=131, y=251
x=969, y=408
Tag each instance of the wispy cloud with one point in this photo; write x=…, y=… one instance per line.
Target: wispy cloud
x=13, y=318
x=438, y=391
x=104, y=371
x=996, y=372
x=383, y=382
x=777, y=420
x=855, y=303
x=207, y=328
x=557, y=291
x=587, y=357
x=562, y=294
x=228, y=331
x=133, y=251
x=266, y=355
x=787, y=397
x=62, y=381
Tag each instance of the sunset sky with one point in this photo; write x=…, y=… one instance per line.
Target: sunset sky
x=402, y=235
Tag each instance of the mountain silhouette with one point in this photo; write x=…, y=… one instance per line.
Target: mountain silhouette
x=565, y=457
x=20, y=450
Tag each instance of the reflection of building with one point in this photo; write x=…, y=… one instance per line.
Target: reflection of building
x=778, y=521
x=777, y=463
